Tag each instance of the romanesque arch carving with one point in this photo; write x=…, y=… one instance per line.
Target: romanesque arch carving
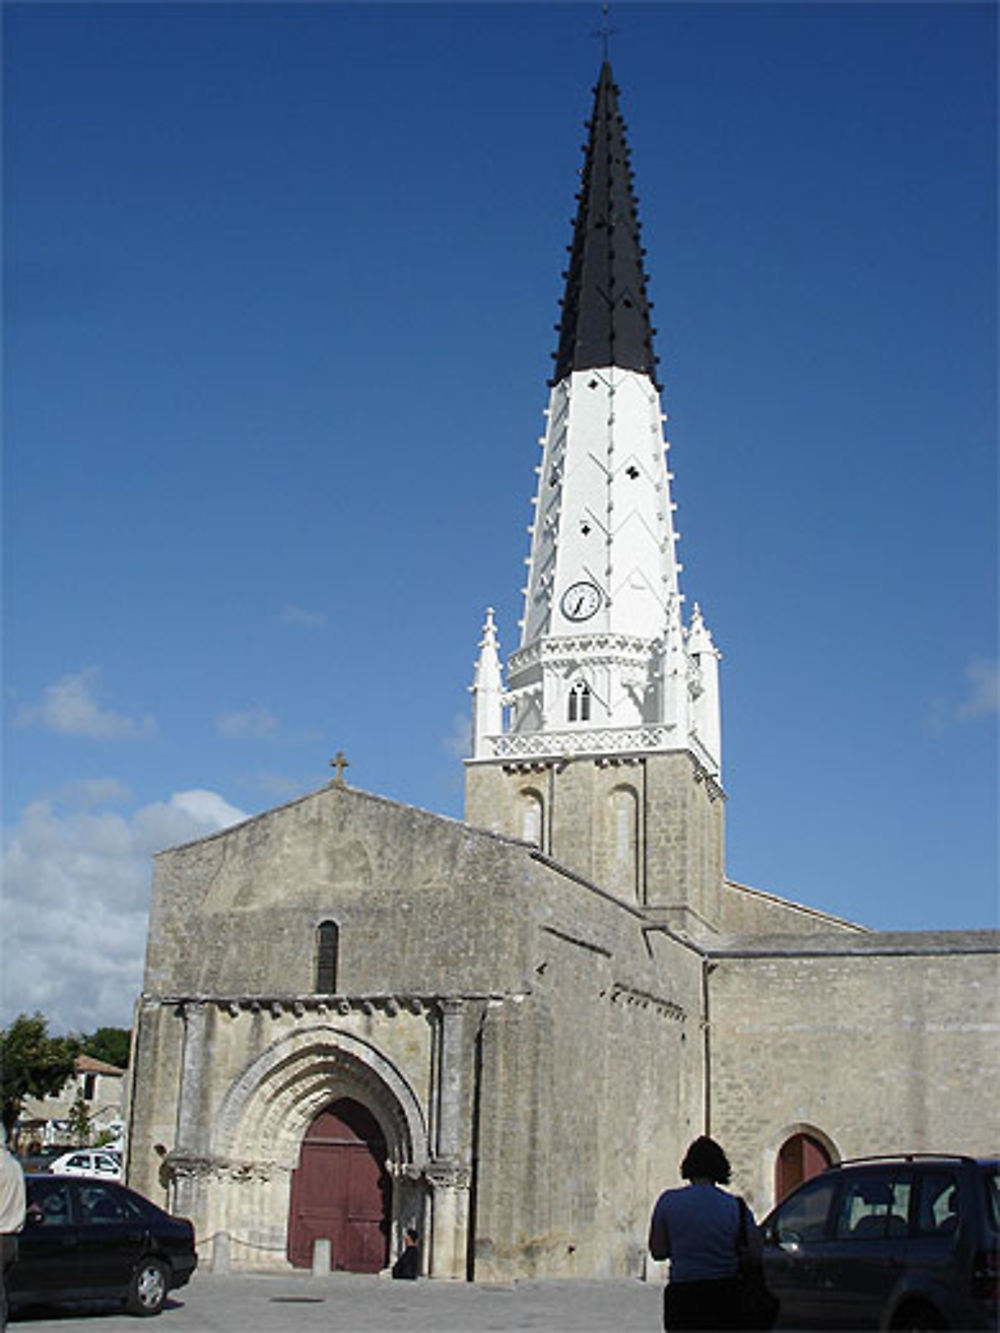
x=267, y=1110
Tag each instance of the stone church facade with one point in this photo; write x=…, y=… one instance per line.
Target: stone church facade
x=359, y=1017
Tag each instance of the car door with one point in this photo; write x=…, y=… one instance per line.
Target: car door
x=795, y=1246
x=79, y=1164
x=112, y=1234
x=48, y=1259
x=870, y=1232
x=934, y=1268
x=106, y=1166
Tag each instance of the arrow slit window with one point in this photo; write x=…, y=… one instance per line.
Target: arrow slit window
x=327, y=942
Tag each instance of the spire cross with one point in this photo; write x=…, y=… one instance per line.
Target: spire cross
x=339, y=762
x=605, y=31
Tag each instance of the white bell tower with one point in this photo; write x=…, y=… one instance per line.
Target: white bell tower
x=607, y=680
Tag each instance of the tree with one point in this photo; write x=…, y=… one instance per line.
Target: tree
x=108, y=1044
x=79, y=1120
x=32, y=1064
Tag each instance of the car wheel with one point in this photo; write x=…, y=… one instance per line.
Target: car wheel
x=148, y=1289
x=918, y=1319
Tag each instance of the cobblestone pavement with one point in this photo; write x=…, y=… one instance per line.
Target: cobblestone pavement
x=351, y=1303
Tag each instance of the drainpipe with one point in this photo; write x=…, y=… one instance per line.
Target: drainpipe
x=707, y=968
x=477, y=1102
x=130, y=1086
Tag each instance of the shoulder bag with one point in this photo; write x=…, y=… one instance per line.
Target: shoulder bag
x=758, y=1304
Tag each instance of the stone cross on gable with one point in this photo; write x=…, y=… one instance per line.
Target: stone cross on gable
x=339, y=762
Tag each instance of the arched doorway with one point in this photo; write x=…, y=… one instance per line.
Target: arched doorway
x=799, y=1159
x=341, y=1191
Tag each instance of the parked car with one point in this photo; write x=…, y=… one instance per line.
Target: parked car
x=99, y=1162
x=87, y=1239
x=900, y=1242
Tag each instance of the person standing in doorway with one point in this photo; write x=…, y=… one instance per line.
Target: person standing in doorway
x=407, y=1266
x=697, y=1227
x=12, y=1211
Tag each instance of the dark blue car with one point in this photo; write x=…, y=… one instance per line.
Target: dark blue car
x=902, y=1242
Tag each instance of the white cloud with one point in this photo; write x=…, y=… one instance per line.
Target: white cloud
x=301, y=615
x=982, y=698
x=69, y=708
x=255, y=724
x=75, y=900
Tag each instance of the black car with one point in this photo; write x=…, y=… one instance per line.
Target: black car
x=87, y=1239
x=901, y=1242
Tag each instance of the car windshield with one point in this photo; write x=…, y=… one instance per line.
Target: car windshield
x=803, y=1217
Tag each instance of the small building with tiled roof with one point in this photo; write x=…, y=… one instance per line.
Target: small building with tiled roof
x=99, y=1086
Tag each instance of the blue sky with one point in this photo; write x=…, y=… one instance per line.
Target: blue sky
x=280, y=290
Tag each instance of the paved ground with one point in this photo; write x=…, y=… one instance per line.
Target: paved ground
x=351, y=1303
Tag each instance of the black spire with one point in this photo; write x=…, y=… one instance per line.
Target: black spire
x=605, y=314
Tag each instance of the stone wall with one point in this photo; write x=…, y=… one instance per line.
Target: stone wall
x=416, y=897
x=591, y=1088
x=751, y=912
x=884, y=1043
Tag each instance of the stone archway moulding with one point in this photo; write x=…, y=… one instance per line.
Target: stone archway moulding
x=266, y=1111
x=769, y=1154
x=802, y=1127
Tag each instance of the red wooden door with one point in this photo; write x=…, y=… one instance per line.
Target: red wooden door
x=340, y=1191
x=801, y=1157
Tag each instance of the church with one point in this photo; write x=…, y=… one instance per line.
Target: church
x=359, y=1017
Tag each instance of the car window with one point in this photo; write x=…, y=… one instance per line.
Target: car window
x=874, y=1205
x=79, y=1159
x=48, y=1202
x=100, y=1205
x=802, y=1217
x=937, y=1203
x=106, y=1163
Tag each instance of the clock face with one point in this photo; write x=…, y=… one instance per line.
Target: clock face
x=580, y=601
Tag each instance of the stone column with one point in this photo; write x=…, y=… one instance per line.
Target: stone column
x=450, y=1078
x=191, y=1136
x=449, y=1184
x=448, y=1173
x=189, y=1119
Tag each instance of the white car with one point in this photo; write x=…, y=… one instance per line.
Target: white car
x=98, y=1162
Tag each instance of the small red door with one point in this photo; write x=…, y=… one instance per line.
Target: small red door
x=800, y=1158
x=341, y=1192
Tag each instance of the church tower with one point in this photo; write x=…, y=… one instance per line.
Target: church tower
x=604, y=746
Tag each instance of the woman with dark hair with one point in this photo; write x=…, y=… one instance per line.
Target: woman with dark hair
x=698, y=1228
